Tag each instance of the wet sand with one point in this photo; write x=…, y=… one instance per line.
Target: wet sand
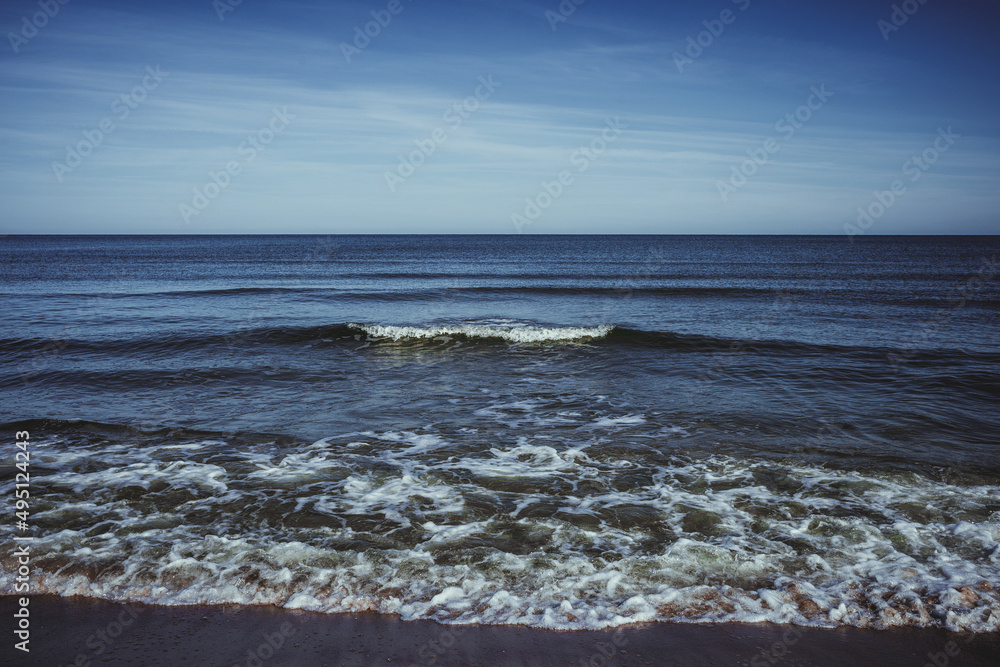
x=79, y=631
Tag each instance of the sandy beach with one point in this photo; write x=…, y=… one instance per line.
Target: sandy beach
x=77, y=631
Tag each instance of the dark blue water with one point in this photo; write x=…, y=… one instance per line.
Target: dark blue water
x=565, y=431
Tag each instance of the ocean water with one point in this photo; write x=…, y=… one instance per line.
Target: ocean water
x=555, y=431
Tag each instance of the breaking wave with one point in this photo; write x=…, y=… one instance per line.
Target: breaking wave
x=512, y=333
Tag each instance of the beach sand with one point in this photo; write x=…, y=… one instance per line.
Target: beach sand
x=79, y=631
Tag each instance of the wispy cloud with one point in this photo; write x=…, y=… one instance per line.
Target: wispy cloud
x=353, y=122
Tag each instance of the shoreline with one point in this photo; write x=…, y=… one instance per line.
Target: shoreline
x=86, y=631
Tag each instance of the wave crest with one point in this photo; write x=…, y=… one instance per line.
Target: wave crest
x=512, y=333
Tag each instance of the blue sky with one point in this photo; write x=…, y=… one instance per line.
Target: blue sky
x=314, y=138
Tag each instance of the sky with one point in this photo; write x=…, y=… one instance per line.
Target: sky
x=497, y=117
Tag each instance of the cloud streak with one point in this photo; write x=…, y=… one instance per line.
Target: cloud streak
x=326, y=174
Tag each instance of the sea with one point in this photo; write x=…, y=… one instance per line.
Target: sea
x=564, y=432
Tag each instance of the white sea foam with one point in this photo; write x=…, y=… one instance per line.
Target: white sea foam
x=512, y=333
x=526, y=461
x=626, y=420
x=525, y=533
